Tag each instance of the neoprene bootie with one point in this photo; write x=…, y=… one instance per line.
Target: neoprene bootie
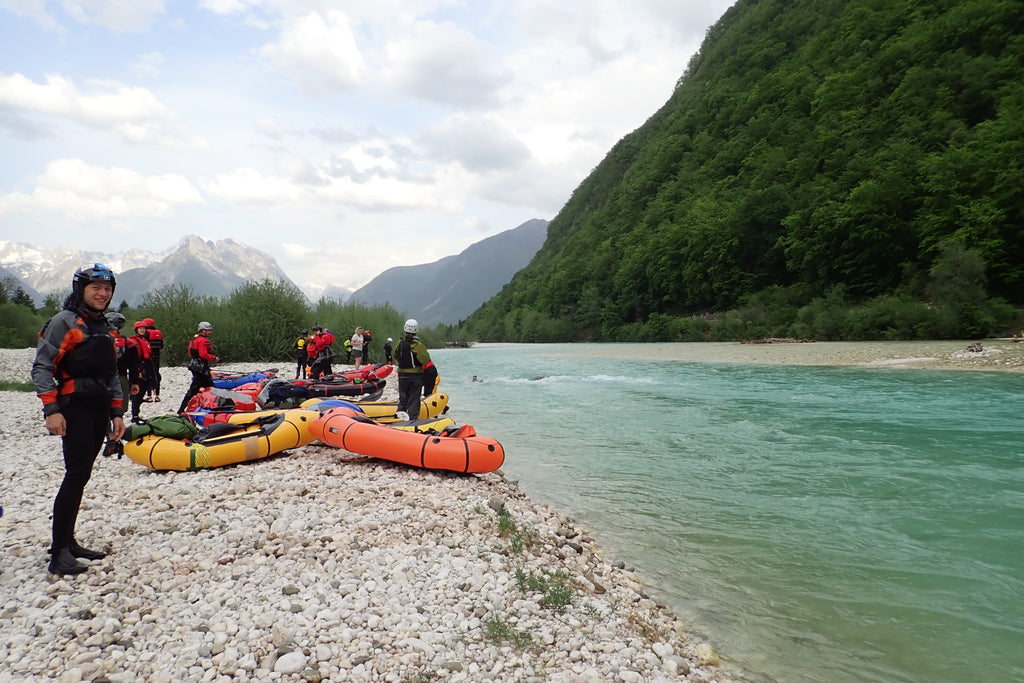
x=63, y=562
x=85, y=553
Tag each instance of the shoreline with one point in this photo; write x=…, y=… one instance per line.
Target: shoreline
x=997, y=355
x=312, y=565
x=320, y=565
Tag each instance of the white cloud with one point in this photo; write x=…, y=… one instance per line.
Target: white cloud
x=133, y=113
x=479, y=144
x=338, y=193
x=148, y=65
x=116, y=15
x=85, y=194
x=36, y=9
x=445, y=64
x=249, y=186
x=227, y=6
x=271, y=126
x=320, y=49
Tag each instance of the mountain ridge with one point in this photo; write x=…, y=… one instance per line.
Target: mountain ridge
x=445, y=291
x=449, y=289
x=210, y=267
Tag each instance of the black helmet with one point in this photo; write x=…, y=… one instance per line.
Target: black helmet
x=305, y=332
x=96, y=272
x=115, y=319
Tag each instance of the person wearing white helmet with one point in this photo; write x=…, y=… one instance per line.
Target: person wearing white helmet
x=411, y=355
x=200, y=353
x=387, y=352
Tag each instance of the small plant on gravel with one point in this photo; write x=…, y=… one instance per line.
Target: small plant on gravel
x=16, y=386
x=647, y=627
x=519, y=539
x=499, y=631
x=557, y=589
x=506, y=525
x=425, y=676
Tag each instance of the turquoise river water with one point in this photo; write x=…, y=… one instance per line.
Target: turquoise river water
x=813, y=523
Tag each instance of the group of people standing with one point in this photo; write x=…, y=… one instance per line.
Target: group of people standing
x=85, y=373
x=417, y=373
x=314, y=354
x=138, y=361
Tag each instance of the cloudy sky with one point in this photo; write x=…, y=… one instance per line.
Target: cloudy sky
x=343, y=137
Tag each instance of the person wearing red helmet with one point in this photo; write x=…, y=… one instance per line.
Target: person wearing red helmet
x=129, y=368
x=75, y=377
x=320, y=352
x=200, y=353
x=145, y=353
x=156, y=344
x=367, y=338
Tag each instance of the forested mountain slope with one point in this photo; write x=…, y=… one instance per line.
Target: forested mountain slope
x=820, y=146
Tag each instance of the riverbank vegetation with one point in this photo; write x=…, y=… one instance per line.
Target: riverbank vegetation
x=257, y=322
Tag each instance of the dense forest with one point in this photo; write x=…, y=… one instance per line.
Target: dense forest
x=838, y=169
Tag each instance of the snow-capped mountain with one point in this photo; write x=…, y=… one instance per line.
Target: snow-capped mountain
x=50, y=270
x=208, y=267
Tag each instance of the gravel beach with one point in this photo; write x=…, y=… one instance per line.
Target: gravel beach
x=311, y=565
x=321, y=565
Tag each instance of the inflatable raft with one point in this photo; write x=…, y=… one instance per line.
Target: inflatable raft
x=457, y=449
x=382, y=411
x=227, y=380
x=225, y=444
x=346, y=387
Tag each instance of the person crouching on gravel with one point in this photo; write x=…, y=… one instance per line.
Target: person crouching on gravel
x=200, y=353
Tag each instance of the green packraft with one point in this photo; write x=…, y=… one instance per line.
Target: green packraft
x=171, y=426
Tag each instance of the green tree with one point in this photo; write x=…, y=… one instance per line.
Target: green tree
x=958, y=291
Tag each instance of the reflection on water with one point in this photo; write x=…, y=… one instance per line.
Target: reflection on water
x=816, y=523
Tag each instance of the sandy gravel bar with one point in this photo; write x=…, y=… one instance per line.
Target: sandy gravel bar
x=313, y=565
x=995, y=355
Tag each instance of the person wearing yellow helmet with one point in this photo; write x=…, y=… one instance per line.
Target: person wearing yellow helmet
x=300, y=354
